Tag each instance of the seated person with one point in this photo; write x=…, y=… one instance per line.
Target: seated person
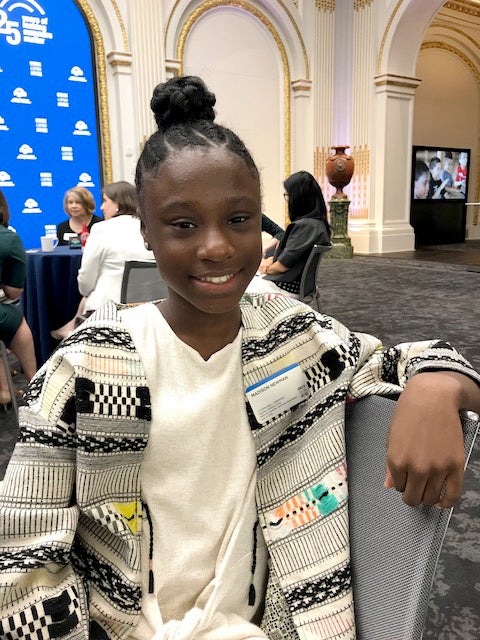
x=79, y=205
x=282, y=272
x=109, y=245
x=14, y=330
x=437, y=185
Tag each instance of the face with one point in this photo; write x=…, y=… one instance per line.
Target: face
x=421, y=186
x=448, y=164
x=109, y=208
x=462, y=159
x=201, y=214
x=74, y=206
x=436, y=170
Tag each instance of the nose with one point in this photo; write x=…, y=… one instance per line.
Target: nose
x=215, y=246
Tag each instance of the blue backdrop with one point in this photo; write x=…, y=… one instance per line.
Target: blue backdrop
x=49, y=139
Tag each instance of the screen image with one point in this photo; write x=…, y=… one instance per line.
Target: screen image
x=440, y=173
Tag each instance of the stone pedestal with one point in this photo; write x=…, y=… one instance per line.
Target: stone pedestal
x=342, y=245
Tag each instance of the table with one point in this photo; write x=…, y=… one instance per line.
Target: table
x=51, y=295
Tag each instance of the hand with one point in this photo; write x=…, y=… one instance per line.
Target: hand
x=425, y=455
x=264, y=264
x=270, y=248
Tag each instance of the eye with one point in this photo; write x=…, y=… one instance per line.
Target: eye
x=183, y=224
x=238, y=219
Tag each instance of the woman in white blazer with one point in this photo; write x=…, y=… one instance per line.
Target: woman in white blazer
x=116, y=240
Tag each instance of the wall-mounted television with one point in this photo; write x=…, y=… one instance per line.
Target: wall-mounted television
x=440, y=173
x=439, y=187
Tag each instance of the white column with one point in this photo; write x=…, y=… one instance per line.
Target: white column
x=302, y=150
x=391, y=167
x=122, y=117
x=147, y=38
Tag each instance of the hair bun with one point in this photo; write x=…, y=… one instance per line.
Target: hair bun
x=179, y=100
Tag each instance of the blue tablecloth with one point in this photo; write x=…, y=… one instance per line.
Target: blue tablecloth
x=51, y=295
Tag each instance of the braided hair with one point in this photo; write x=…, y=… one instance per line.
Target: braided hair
x=183, y=110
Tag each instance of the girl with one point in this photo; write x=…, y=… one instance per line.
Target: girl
x=162, y=474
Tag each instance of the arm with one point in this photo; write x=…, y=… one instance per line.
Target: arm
x=425, y=445
x=92, y=260
x=275, y=268
x=272, y=228
x=12, y=293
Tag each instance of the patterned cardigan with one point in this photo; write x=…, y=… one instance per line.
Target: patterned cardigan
x=71, y=511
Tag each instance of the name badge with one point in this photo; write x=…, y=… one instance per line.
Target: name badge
x=277, y=393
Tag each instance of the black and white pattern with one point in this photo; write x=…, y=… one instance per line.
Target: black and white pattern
x=306, y=595
x=113, y=400
x=52, y=618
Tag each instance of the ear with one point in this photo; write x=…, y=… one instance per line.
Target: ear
x=144, y=232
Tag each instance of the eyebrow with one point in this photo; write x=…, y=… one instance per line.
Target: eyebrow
x=191, y=204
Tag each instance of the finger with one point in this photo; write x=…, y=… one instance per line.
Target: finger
x=414, y=489
x=388, y=482
x=433, y=489
x=397, y=474
x=453, y=489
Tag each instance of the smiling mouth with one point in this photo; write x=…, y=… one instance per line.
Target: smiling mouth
x=216, y=279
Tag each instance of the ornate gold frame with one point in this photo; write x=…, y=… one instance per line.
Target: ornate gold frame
x=246, y=6
x=102, y=89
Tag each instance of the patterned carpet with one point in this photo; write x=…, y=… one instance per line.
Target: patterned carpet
x=401, y=300
x=398, y=301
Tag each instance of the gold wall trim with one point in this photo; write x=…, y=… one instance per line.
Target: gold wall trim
x=361, y=4
x=456, y=52
x=325, y=5
x=291, y=18
x=385, y=34
x=246, y=6
x=469, y=8
x=476, y=72
x=102, y=89
x=122, y=26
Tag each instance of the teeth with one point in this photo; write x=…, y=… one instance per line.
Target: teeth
x=216, y=279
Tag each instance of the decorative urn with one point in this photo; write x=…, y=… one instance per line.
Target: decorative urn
x=339, y=169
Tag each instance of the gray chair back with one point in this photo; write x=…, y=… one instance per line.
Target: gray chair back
x=309, y=290
x=394, y=548
x=142, y=282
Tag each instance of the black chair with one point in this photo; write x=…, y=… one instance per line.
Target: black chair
x=142, y=282
x=394, y=548
x=309, y=289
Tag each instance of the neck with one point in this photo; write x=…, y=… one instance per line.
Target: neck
x=205, y=332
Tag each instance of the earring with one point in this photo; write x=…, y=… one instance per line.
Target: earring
x=147, y=245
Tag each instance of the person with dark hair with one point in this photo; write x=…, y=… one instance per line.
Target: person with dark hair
x=309, y=226
x=110, y=244
x=447, y=169
x=14, y=330
x=79, y=205
x=421, y=183
x=436, y=189
x=154, y=492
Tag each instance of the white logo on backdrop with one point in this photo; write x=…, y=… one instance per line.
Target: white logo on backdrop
x=81, y=129
x=3, y=126
x=77, y=75
x=26, y=153
x=36, y=68
x=41, y=125
x=33, y=29
x=20, y=96
x=46, y=179
x=6, y=179
x=67, y=153
x=62, y=99
x=31, y=206
x=85, y=180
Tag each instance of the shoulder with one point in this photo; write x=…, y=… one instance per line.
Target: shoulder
x=64, y=225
